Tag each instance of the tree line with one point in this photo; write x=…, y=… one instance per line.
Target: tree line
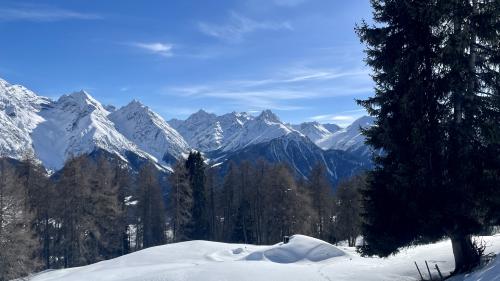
x=97, y=208
x=260, y=203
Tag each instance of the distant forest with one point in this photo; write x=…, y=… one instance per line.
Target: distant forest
x=97, y=208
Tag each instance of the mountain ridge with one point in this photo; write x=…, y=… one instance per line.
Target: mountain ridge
x=76, y=123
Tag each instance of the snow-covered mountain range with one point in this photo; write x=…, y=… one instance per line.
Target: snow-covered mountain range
x=75, y=124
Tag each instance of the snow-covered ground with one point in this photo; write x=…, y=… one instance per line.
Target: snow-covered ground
x=302, y=259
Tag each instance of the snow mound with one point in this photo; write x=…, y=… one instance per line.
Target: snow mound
x=300, y=248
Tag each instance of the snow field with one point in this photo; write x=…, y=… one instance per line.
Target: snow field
x=302, y=259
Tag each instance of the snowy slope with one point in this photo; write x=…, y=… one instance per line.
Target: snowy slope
x=350, y=138
x=77, y=124
x=314, y=130
x=19, y=109
x=149, y=132
x=302, y=259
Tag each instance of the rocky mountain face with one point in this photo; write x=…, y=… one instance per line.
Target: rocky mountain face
x=301, y=155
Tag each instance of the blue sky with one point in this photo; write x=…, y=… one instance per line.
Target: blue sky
x=299, y=58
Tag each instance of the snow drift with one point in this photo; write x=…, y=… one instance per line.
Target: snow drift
x=302, y=259
x=300, y=248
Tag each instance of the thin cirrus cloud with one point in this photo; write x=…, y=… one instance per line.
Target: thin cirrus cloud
x=162, y=49
x=280, y=92
x=43, y=14
x=238, y=26
x=342, y=119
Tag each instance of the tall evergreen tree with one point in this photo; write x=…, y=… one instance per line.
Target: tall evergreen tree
x=196, y=170
x=435, y=65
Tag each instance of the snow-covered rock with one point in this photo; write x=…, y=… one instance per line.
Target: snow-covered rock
x=315, y=131
x=19, y=108
x=350, y=138
x=77, y=124
x=149, y=131
x=229, y=132
x=265, y=127
x=202, y=130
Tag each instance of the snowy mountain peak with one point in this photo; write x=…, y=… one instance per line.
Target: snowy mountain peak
x=149, y=131
x=269, y=116
x=3, y=82
x=200, y=114
x=82, y=95
x=313, y=130
x=77, y=124
x=350, y=138
x=80, y=101
x=363, y=122
x=19, y=108
x=136, y=103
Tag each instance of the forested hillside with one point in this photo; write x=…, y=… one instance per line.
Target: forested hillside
x=97, y=208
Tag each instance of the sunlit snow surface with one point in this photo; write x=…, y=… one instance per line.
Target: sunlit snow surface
x=302, y=259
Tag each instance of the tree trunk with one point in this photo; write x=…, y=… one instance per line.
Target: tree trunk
x=466, y=256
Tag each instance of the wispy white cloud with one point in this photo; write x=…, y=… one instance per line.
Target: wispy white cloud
x=162, y=49
x=342, y=119
x=282, y=91
x=301, y=75
x=238, y=25
x=43, y=14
